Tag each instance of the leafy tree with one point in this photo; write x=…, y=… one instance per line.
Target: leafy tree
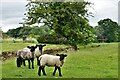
x=27, y=31
x=39, y=31
x=19, y=32
x=14, y=32
x=108, y=29
x=65, y=18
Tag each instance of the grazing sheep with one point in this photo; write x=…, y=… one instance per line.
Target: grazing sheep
x=39, y=52
x=51, y=60
x=26, y=54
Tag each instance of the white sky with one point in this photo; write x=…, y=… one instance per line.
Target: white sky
x=12, y=12
x=104, y=9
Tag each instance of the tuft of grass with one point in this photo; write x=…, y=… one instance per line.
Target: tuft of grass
x=98, y=62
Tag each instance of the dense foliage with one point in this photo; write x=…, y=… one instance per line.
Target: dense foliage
x=64, y=22
x=65, y=18
x=108, y=29
x=27, y=31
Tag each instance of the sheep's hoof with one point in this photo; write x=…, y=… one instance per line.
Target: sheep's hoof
x=39, y=74
x=44, y=74
x=32, y=67
x=60, y=75
x=29, y=68
x=53, y=74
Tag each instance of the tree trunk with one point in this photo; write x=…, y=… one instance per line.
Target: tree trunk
x=74, y=47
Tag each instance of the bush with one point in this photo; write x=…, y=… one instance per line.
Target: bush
x=51, y=39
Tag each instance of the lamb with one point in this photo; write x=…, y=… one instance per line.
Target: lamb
x=39, y=52
x=26, y=53
x=51, y=60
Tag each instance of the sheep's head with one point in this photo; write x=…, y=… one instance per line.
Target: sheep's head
x=62, y=56
x=32, y=48
x=40, y=46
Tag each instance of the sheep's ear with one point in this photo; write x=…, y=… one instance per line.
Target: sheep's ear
x=36, y=46
x=28, y=47
x=65, y=55
x=57, y=55
x=44, y=45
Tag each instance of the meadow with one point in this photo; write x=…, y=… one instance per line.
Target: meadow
x=89, y=62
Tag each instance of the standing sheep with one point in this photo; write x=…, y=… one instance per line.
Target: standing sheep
x=39, y=52
x=51, y=60
x=26, y=53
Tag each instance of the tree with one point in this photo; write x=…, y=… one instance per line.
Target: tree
x=65, y=18
x=40, y=31
x=14, y=32
x=108, y=29
x=28, y=31
x=19, y=32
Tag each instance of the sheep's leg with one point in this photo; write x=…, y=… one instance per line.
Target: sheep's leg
x=24, y=62
x=29, y=64
x=43, y=70
x=18, y=62
x=38, y=61
x=32, y=60
x=59, y=71
x=55, y=70
x=39, y=71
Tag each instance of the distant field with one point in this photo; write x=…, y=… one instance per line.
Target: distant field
x=17, y=46
x=13, y=46
x=89, y=62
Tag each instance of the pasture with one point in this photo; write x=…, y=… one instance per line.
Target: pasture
x=89, y=62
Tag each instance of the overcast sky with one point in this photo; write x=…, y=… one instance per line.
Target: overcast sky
x=12, y=12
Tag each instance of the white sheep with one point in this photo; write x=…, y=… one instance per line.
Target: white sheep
x=51, y=60
x=39, y=52
x=26, y=54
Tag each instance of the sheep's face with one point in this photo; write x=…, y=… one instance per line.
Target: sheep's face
x=62, y=56
x=32, y=48
x=40, y=46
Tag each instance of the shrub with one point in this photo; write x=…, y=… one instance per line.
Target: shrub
x=51, y=39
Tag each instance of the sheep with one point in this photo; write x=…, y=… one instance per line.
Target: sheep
x=39, y=52
x=51, y=60
x=26, y=54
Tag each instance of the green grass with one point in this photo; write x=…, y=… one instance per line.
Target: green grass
x=13, y=46
x=16, y=46
x=97, y=62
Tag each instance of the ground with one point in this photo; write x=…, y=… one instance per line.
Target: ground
x=90, y=62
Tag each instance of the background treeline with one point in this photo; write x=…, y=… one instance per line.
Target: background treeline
x=106, y=31
x=42, y=34
x=28, y=31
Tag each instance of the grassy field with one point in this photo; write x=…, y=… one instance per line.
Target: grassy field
x=89, y=62
x=17, y=46
x=13, y=46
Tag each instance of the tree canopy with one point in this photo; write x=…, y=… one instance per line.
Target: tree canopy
x=108, y=29
x=68, y=19
x=28, y=31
